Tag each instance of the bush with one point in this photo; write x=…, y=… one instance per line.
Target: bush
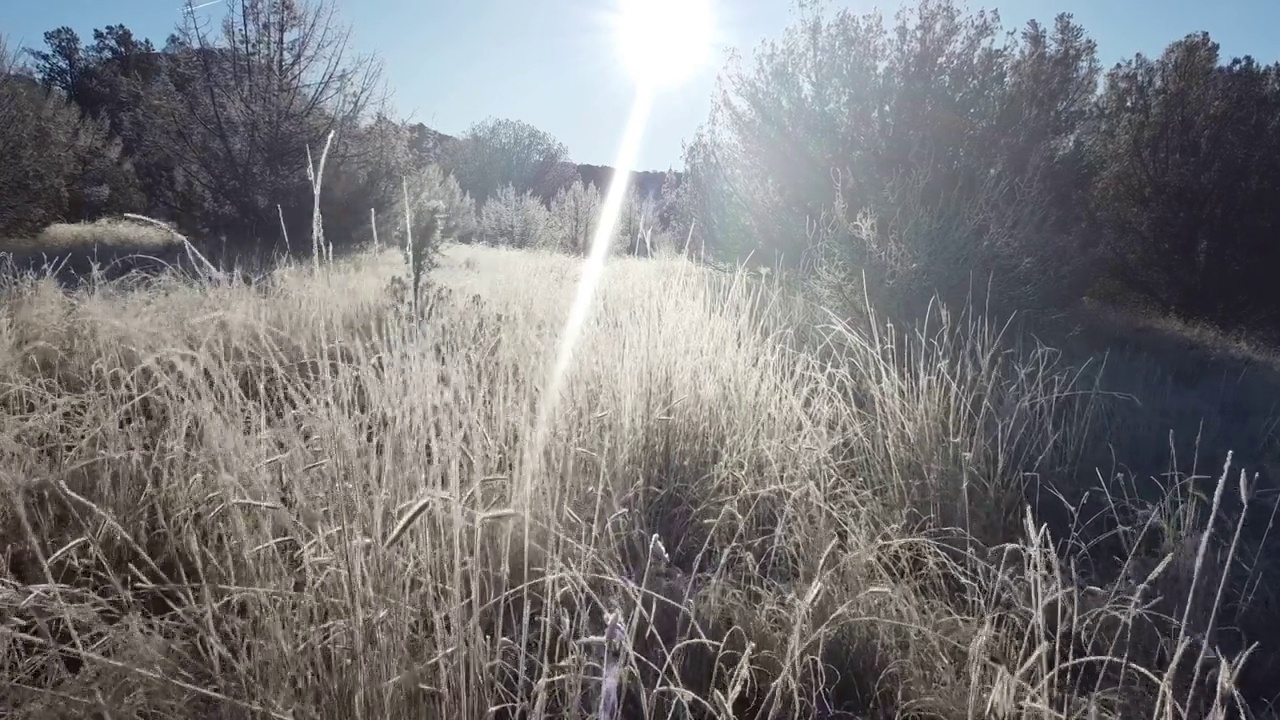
x=432, y=190
x=575, y=215
x=57, y=165
x=848, y=132
x=1187, y=150
x=903, y=252
x=637, y=221
x=516, y=220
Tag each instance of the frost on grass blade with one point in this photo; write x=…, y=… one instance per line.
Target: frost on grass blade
x=611, y=686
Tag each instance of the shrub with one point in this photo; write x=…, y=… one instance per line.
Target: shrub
x=575, y=215
x=516, y=220
x=1187, y=150
x=858, y=125
x=57, y=165
x=637, y=220
x=432, y=190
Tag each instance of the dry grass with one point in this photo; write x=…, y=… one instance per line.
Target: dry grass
x=307, y=503
x=109, y=233
x=108, y=249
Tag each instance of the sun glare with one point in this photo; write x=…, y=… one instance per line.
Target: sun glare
x=663, y=42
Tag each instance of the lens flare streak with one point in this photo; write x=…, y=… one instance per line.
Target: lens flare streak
x=592, y=272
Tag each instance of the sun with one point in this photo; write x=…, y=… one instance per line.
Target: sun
x=663, y=42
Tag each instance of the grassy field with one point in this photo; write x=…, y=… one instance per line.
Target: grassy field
x=305, y=502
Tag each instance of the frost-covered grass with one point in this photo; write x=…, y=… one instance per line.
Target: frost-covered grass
x=303, y=502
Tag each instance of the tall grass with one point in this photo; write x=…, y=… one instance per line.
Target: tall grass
x=108, y=233
x=315, y=502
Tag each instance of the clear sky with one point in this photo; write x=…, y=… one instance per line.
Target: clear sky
x=551, y=62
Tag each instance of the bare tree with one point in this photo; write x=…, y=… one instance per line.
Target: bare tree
x=249, y=101
x=8, y=102
x=8, y=58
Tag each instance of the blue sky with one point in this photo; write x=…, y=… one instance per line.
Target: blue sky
x=550, y=62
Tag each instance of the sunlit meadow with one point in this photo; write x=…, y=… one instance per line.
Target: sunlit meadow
x=301, y=500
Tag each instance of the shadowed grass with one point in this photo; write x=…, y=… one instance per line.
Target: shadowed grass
x=108, y=249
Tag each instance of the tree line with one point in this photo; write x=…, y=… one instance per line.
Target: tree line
x=215, y=131
x=933, y=153
x=222, y=131
x=938, y=153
